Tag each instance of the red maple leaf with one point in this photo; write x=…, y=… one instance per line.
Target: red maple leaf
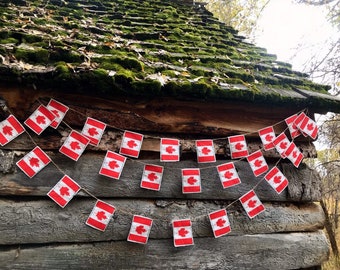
x=152, y=176
x=92, y=132
x=269, y=138
x=7, y=130
x=220, y=222
x=228, y=174
x=283, y=145
x=75, y=145
x=40, y=120
x=182, y=232
x=251, y=203
x=191, y=180
x=258, y=163
x=294, y=154
x=310, y=126
x=277, y=179
x=64, y=191
x=131, y=144
x=140, y=229
x=113, y=164
x=34, y=162
x=56, y=113
x=239, y=146
x=205, y=151
x=170, y=149
x=101, y=215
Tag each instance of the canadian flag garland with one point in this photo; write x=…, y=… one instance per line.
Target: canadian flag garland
x=113, y=164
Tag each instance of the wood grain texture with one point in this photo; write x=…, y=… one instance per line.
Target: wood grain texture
x=258, y=252
x=44, y=221
x=85, y=172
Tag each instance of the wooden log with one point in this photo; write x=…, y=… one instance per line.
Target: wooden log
x=45, y=222
x=111, y=140
x=85, y=172
x=270, y=251
x=168, y=115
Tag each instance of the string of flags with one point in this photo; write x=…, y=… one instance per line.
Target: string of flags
x=113, y=164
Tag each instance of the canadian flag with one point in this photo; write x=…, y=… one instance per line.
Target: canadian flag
x=205, y=151
x=152, y=177
x=33, y=162
x=182, y=232
x=40, y=119
x=10, y=128
x=267, y=136
x=169, y=150
x=131, y=144
x=59, y=110
x=257, y=163
x=252, y=204
x=101, y=215
x=64, y=191
x=74, y=145
x=294, y=131
x=276, y=179
x=307, y=125
x=191, y=181
x=294, y=155
x=238, y=146
x=113, y=165
x=228, y=175
x=93, y=130
x=140, y=229
x=219, y=223
x=281, y=143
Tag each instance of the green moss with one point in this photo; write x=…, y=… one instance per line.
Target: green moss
x=149, y=88
x=8, y=40
x=124, y=76
x=32, y=56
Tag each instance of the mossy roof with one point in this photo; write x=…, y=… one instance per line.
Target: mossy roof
x=144, y=48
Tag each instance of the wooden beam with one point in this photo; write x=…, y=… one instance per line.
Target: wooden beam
x=270, y=251
x=44, y=221
x=304, y=182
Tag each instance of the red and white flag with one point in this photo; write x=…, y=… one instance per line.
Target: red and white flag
x=238, y=146
x=169, y=150
x=59, y=110
x=113, y=165
x=191, y=181
x=10, y=128
x=205, y=151
x=294, y=155
x=64, y=191
x=294, y=131
x=257, y=163
x=74, y=145
x=140, y=229
x=267, y=136
x=252, y=204
x=281, y=143
x=219, y=223
x=152, y=177
x=276, y=179
x=228, y=175
x=101, y=215
x=33, y=162
x=182, y=233
x=307, y=125
x=40, y=119
x=93, y=130
x=131, y=144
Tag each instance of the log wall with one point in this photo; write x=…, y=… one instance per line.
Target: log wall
x=37, y=234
